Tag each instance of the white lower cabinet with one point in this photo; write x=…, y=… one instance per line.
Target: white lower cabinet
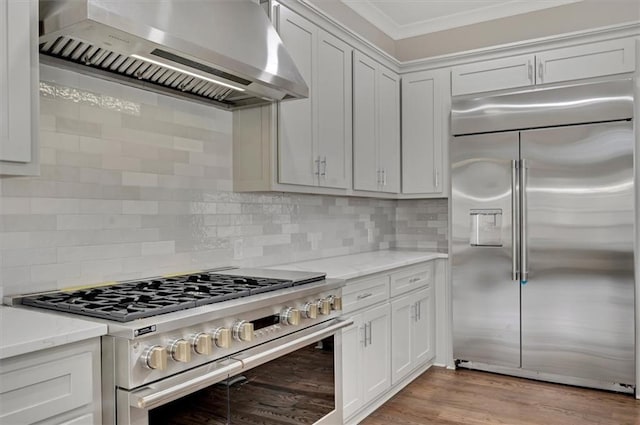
x=412, y=332
x=392, y=336
x=58, y=386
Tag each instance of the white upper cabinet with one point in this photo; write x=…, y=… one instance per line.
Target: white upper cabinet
x=506, y=73
x=296, y=138
x=376, y=126
x=564, y=64
x=425, y=120
x=18, y=87
x=591, y=60
x=333, y=103
x=301, y=145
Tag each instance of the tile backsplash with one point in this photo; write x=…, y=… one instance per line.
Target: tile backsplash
x=135, y=184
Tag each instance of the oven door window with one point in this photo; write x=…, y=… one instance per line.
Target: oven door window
x=295, y=389
x=298, y=388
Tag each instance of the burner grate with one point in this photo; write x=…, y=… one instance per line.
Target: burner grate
x=132, y=300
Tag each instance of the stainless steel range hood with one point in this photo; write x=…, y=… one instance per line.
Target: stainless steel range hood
x=222, y=52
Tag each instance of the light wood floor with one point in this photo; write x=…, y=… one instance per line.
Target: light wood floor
x=465, y=397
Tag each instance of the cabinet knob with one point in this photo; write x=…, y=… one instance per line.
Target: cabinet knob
x=155, y=358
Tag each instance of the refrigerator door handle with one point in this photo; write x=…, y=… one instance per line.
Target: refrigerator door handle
x=515, y=221
x=524, y=266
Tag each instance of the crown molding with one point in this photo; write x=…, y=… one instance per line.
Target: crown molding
x=369, y=11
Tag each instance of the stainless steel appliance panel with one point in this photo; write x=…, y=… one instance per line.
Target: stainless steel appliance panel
x=578, y=304
x=486, y=301
x=544, y=107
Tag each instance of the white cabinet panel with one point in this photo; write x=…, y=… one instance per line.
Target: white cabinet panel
x=333, y=95
x=352, y=345
x=591, y=60
x=411, y=278
x=424, y=331
x=376, y=126
x=425, y=106
x=498, y=74
x=402, y=320
x=376, y=364
x=366, y=172
x=19, y=92
x=296, y=158
x=82, y=420
x=52, y=386
x=412, y=331
x=389, y=130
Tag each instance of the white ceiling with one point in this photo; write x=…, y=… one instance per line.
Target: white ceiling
x=408, y=18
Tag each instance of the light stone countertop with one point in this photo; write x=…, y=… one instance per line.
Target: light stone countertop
x=362, y=264
x=27, y=330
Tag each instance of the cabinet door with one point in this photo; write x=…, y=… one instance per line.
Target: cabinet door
x=403, y=317
x=18, y=83
x=333, y=100
x=296, y=154
x=423, y=132
x=592, y=60
x=352, y=386
x=424, y=329
x=389, y=130
x=376, y=353
x=506, y=73
x=366, y=173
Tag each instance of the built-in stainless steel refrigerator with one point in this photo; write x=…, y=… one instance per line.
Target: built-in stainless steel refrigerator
x=542, y=234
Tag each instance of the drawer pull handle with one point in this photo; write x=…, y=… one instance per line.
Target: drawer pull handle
x=414, y=280
x=363, y=296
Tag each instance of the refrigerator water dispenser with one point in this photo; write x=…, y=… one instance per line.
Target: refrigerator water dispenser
x=486, y=227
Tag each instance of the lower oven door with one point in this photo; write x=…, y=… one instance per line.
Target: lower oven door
x=290, y=380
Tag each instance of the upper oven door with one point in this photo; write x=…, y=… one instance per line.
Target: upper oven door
x=281, y=377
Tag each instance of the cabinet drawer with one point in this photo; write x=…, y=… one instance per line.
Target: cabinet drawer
x=411, y=278
x=41, y=391
x=364, y=293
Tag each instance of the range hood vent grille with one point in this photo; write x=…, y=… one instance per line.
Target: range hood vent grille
x=139, y=71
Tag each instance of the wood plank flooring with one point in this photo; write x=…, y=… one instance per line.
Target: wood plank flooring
x=464, y=397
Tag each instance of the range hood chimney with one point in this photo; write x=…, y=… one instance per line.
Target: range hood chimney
x=222, y=52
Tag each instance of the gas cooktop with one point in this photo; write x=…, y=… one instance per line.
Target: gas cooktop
x=136, y=299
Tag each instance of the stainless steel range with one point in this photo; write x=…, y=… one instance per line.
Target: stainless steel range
x=202, y=336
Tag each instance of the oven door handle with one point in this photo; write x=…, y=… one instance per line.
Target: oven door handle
x=150, y=398
x=156, y=395
x=250, y=360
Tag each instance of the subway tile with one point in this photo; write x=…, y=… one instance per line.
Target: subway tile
x=77, y=126
x=26, y=257
x=55, y=206
x=97, y=252
x=100, y=206
x=140, y=207
x=27, y=223
x=79, y=221
x=15, y=205
x=158, y=248
x=139, y=179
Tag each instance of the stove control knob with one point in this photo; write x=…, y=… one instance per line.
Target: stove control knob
x=202, y=344
x=222, y=337
x=243, y=331
x=155, y=357
x=181, y=351
x=290, y=316
x=324, y=306
x=336, y=302
x=310, y=310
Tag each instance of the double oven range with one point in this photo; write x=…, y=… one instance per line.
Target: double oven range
x=223, y=346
